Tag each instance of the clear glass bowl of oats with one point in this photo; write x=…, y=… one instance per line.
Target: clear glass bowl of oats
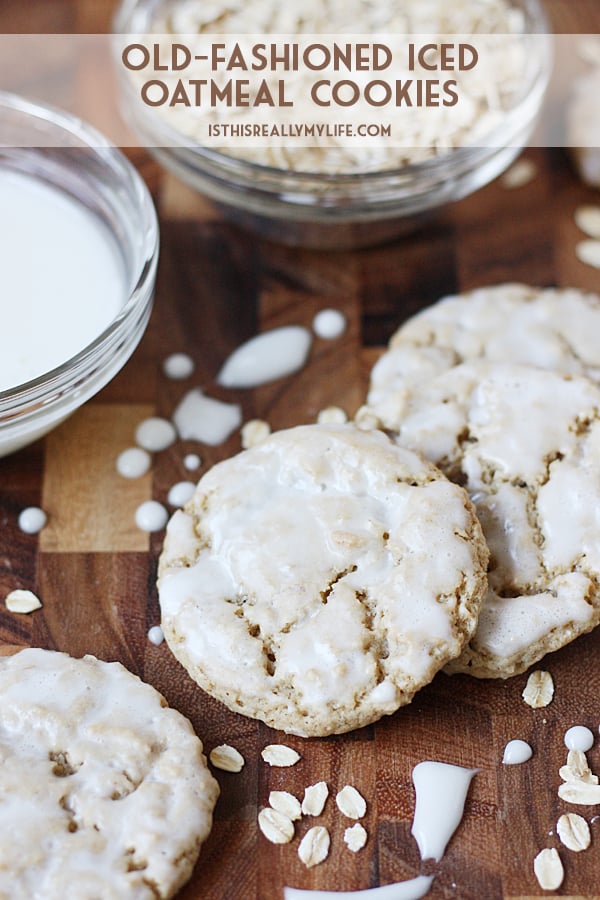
x=341, y=193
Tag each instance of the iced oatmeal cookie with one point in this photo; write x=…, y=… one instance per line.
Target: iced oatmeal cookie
x=104, y=790
x=319, y=579
x=525, y=443
x=547, y=328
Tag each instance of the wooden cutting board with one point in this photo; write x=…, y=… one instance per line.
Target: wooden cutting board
x=95, y=571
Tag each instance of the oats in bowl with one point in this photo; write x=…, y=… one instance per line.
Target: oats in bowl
x=340, y=189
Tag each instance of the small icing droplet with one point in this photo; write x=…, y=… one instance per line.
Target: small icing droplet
x=516, y=752
x=32, y=519
x=413, y=889
x=178, y=366
x=266, y=357
x=181, y=492
x=155, y=635
x=579, y=738
x=155, y=434
x=441, y=791
x=192, y=462
x=329, y=324
x=204, y=419
x=133, y=462
x=151, y=516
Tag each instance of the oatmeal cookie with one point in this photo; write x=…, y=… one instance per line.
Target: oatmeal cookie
x=525, y=443
x=318, y=580
x=104, y=790
x=549, y=328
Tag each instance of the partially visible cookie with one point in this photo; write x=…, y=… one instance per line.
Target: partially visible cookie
x=319, y=579
x=104, y=790
x=547, y=328
x=525, y=443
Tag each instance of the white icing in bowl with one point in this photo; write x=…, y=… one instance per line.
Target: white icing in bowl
x=96, y=213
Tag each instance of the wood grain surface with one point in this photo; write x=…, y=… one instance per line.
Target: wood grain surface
x=95, y=571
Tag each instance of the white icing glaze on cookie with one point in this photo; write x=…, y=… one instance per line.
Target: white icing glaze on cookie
x=319, y=579
x=547, y=328
x=526, y=444
x=105, y=790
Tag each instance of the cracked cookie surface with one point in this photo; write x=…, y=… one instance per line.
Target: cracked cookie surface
x=318, y=580
x=550, y=328
x=525, y=443
x=104, y=790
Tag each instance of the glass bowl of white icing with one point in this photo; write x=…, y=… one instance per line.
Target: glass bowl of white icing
x=329, y=199
x=78, y=261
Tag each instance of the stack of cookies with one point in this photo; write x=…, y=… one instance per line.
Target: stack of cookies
x=320, y=579
x=499, y=389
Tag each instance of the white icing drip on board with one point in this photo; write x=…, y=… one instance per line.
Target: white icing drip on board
x=180, y=493
x=266, y=357
x=192, y=461
x=579, y=738
x=178, y=366
x=155, y=434
x=516, y=752
x=329, y=324
x=441, y=791
x=155, y=635
x=205, y=419
x=133, y=462
x=413, y=889
x=32, y=519
x=151, y=516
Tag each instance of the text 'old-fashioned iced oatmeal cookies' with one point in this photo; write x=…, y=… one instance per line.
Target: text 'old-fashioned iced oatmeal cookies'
x=526, y=445
x=104, y=790
x=550, y=328
x=319, y=579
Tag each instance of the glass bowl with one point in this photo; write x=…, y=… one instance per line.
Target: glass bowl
x=339, y=211
x=66, y=154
